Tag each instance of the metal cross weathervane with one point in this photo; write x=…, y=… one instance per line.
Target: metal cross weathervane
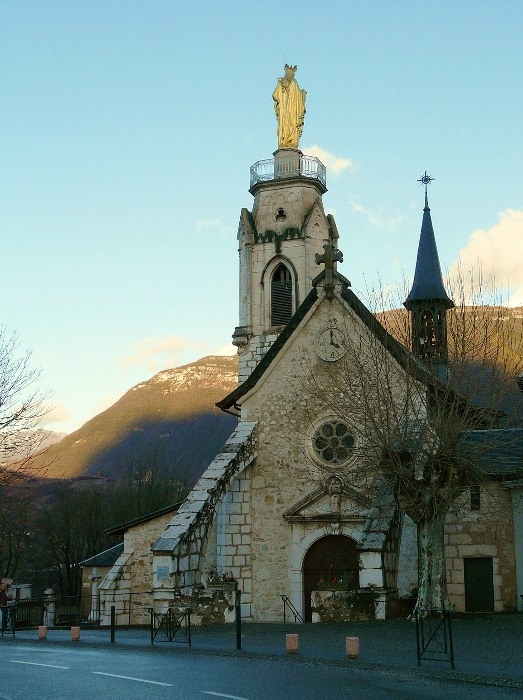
x=425, y=180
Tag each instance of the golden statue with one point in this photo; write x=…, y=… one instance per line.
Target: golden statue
x=289, y=105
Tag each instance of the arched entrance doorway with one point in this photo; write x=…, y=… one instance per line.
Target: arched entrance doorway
x=331, y=558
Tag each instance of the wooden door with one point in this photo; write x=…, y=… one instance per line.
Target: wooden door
x=479, y=584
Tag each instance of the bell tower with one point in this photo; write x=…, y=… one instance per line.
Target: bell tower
x=279, y=238
x=428, y=301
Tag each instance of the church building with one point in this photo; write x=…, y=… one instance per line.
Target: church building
x=294, y=512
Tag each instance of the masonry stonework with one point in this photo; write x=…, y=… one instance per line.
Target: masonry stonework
x=286, y=471
x=487, y=532
x=128, y=586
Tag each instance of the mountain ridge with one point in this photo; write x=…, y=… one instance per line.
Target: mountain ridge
x=171, y=414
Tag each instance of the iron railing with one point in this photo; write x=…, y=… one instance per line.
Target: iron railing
x=289, y=607
x=289, y=167
x=66, y=611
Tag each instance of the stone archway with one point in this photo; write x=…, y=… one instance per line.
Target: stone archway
x=330, y=557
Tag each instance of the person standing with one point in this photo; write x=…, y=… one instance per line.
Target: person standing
x=3, y=605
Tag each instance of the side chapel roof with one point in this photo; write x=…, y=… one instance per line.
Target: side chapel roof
x=106, y=558
x=121, y=528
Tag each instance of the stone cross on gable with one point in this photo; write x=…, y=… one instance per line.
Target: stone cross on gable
x=331, y=256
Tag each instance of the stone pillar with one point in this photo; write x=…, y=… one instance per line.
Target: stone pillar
x=49, y=607
x=94, y=614
x=287, y=163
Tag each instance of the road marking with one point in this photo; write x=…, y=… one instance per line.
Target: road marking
x=221, y=695
x=33, y=663
x=130, y=678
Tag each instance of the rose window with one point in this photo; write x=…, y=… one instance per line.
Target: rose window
x=333, y=443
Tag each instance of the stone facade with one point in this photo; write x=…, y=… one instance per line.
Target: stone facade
x=484, y=533
x=187, y=550
x=269, y=497
x=287, y=225
x=128, y=584
x=287, y=470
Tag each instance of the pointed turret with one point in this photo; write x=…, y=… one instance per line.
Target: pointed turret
x=428, y=301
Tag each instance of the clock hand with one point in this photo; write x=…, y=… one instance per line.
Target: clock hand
x=333, y=342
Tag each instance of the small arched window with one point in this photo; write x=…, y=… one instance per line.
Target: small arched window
x=281, y=296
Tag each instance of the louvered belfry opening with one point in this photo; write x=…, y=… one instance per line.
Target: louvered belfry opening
x=281, y=296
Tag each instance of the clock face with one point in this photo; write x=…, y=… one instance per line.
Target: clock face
x=331, y=344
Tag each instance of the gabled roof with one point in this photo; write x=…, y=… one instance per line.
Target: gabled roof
x=397, y=350
x=120, y=529
x=296, y=513
x=105, y=558
x=499, y=453
x=231, y=399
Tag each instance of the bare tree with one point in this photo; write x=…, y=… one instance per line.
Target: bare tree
x=147, y=482
x=72, y=523
x=71, y=527
x=22, y=406
x=16, y=515
x=414, y=428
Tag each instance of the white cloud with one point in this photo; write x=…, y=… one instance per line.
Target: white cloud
x=57, y=413
x=497, y=252
x=374, y=218
x=334, y=164
x=214, y=225
x=160, y=353
x=227, y=350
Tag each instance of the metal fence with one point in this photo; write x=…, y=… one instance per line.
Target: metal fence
x=66, y=611
x=293, y=166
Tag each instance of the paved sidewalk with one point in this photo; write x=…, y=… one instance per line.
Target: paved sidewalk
x=487, y=650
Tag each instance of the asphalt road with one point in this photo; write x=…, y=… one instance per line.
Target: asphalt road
x=31, y=672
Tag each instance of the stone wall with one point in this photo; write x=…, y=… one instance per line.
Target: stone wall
x=250, y=357
x=487, y=532
x=128, y=585
x=208, y=607
x=182, y=555
x=233, y=541
x=344, y=606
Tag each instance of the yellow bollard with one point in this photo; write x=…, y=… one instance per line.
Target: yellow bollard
x=291, y=641
x=75, y=634
x=42, y=632
x=352, y=647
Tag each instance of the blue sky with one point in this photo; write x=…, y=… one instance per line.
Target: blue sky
x=128, y=129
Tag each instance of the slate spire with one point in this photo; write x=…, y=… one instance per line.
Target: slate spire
x=428, y=300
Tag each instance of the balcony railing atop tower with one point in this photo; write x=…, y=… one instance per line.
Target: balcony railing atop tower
x=288, y=166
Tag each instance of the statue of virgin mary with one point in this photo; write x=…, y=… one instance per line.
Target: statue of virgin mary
x=289, y=105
